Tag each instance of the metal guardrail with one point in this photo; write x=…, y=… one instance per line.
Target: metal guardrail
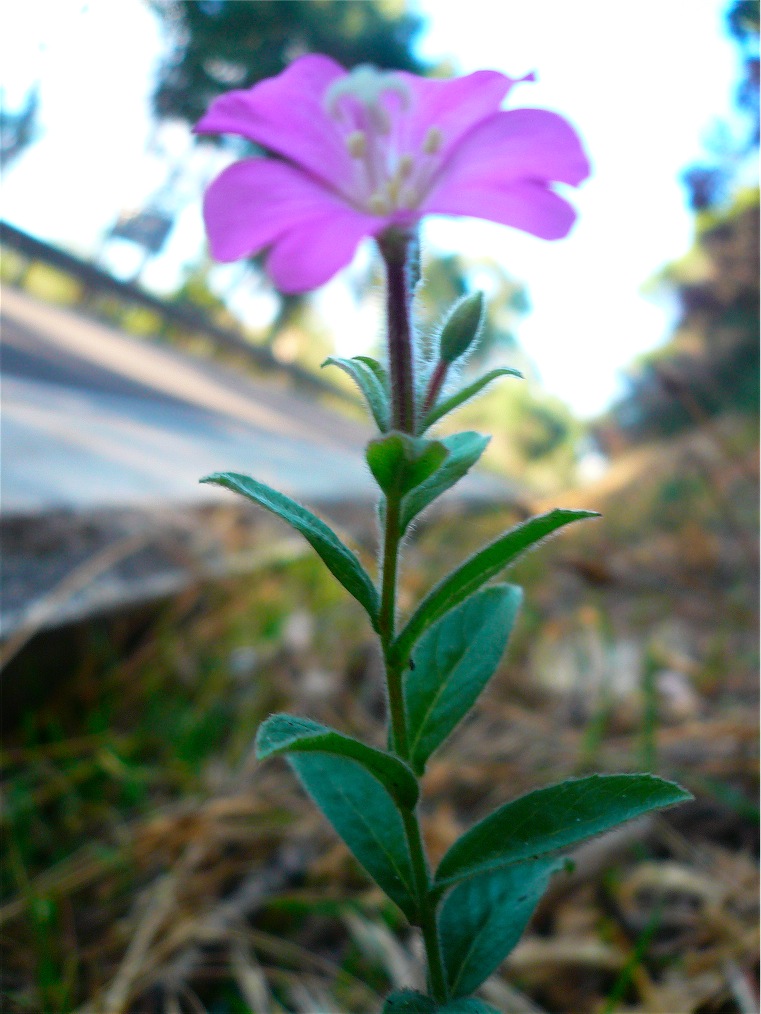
x=183, y=315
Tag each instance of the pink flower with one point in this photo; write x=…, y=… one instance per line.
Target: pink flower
x=356, y=153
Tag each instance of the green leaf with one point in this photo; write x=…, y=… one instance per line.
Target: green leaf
x=483, y=918
x=464, y=451
x=467, y=1005
x=453, y=661
x=337, y=557
x=400, y=462
x=366, y=818
x=369, y=379
x=281, y=734
x=460, y=397
x=377, y=369
x=409, y=1001
x=477, y=570
x=554, y=818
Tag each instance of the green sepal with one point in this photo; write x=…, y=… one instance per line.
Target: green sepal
x=400, y=462
x=461, y=327
x=483, y=918
x=338, y=558
x=477, y=570
x=282, y=734
x=460, y=397
x=409, y=1001
x=454, y=660
x=553, y=818
x=370, y=378
x=464, y=451
x=365, y=816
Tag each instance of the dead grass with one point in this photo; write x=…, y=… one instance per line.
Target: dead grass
x=152, y=866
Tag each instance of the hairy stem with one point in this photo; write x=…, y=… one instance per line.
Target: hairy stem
x=399, y=252
x=438, y=377
x=399, y=738
x=397, y=248
x=387, y=625
x=426, y=908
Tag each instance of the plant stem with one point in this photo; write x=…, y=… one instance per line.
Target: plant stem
x=387, y=624
x=437, y=379
x=400, y=742
x=426, y=908
x=397, y=249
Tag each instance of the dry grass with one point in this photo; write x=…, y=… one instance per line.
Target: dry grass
x=152, y=866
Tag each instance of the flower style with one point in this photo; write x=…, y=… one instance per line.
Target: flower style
x=355, y=153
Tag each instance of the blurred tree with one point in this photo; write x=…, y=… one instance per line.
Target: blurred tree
x=710, y=365
x=18, y=129
x=708, y=183
x=223, y=44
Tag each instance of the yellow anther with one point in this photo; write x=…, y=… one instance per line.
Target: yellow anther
x=405, y=167
x=433, y=141
x=378, y=204
x=356, y=143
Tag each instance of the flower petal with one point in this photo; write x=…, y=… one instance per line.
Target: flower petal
x=254, y=201
x=453, y=105
x=285, y=115
x=518, y=144
x=526, y=204
x=314, y=250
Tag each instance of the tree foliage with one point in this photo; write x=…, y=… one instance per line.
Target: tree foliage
x=222, y=44
x=20, y=128
x=710, y=365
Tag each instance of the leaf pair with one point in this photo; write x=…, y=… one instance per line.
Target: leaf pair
x=414, y=472
x=499, y=869
x=497, y=888
x=372, y=380
x=434, y=474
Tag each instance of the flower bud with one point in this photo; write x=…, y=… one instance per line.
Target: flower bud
x=462, y=327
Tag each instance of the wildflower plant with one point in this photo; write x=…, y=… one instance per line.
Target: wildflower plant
x=369, y=153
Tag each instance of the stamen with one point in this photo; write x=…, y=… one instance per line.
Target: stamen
x=379, y=205
x=356, y=143
x=433, y=141
x=379, y=118
x=367, y=85
x=405, y=166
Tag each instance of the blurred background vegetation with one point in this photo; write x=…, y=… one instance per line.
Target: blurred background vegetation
x=149, y=866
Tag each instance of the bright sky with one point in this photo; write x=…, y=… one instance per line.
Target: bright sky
x=642, y=82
